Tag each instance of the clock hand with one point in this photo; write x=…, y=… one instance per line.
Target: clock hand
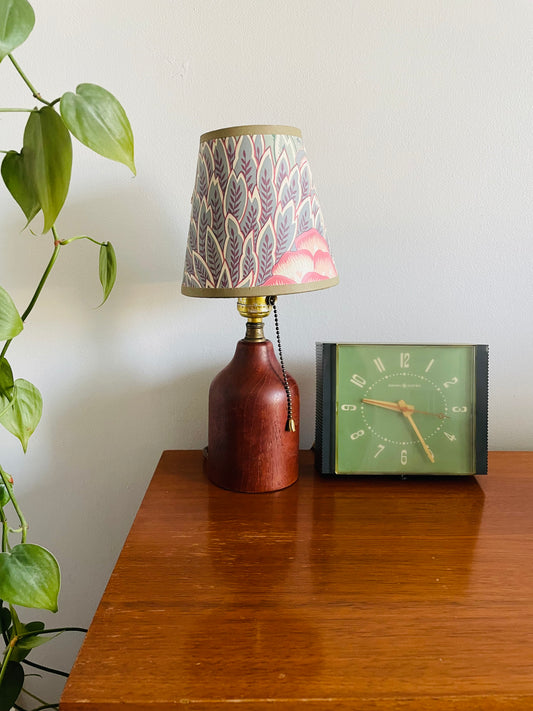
x=440, y=415
x=406, y=411
x=396, y=406
x=383, y=403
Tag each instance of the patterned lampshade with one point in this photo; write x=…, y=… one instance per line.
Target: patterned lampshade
x=256, y=224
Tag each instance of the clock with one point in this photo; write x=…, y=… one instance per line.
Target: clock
x=401, y=409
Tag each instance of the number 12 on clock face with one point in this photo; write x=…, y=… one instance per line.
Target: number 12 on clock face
x=401, y=409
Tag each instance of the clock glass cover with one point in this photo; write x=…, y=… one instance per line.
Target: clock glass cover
x=402, y=409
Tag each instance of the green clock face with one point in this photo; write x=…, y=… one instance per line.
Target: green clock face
x=407, y=409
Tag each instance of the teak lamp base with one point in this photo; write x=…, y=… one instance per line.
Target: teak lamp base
x=250, y=447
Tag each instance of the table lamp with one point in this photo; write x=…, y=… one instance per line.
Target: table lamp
x=256, y=232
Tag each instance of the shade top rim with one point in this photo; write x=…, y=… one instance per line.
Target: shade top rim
x=251, y=130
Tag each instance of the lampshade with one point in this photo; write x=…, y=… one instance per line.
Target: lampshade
x=256, y=225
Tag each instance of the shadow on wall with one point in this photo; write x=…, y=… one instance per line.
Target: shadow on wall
x=146, y=237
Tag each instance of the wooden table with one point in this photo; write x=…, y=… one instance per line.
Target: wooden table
x=366, y=594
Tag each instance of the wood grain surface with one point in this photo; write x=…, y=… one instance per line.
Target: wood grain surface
x=364, y=594
x=250, y=449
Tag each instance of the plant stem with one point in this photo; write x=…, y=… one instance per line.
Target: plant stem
x=7, y=655
x=28, y=83
x=14, y=640
x=43, y=703
x=55, y=254
x=41, y=667
x=52, y=630
x=17, y=111
x=5, y=527
x=23, y=523
x=74, y=239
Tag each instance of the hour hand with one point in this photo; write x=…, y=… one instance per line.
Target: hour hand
x=387, y=405
x=402, y=408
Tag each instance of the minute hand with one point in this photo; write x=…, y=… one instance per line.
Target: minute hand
x=407, y=413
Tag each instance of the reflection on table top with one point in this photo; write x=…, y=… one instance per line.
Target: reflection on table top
x=371, y=593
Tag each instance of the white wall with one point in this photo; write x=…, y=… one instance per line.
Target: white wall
x=417, y=119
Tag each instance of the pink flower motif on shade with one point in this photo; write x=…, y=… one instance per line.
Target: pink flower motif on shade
x=294, y=266
x=312, y=241
x=324, y=265
x=310, y=261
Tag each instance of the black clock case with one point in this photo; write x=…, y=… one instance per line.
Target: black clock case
x=325, y=415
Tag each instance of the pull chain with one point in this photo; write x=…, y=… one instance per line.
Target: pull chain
x=291, y=425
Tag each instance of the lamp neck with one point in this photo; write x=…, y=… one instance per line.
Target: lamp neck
x=254, y=308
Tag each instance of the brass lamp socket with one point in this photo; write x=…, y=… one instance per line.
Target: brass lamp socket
x=254, y=308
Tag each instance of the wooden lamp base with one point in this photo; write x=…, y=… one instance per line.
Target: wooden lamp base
x=249, y=447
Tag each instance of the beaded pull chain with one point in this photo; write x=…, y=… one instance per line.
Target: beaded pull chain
x=291, y=425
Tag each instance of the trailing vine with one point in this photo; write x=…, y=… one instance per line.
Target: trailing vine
x=38, y=178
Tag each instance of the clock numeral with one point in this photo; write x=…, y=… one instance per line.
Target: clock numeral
x=381, y=447
x=358, y=380
x=429, y=365
x=349, y=408
x=379, y=365
x=451, y=382
x=460, y=409
x=403, y=457
x=357, y=434
x=404, y=360
x=451, y=437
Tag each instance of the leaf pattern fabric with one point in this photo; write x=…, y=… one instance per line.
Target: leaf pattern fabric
x=255, y=217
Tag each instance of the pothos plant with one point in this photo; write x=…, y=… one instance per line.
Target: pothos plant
x=38, y=178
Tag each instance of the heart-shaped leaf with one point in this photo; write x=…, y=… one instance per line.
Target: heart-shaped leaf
x=10, y=321
x=16, y=22
x=19, y=185
x=48, y=161
x=108, y=268
x=98, y=120
x=30, y=576
x=11, y=685
x=23, y=416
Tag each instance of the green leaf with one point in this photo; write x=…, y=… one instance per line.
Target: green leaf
x=16, y=22
x=34, y=627
x=4, y=499
x=98, y=121
x=24, y=646
x=108, y=268
x=7, y=384
x=5, y=619
x=11, y=685
x=30, y=576
x=14, y=173
x=18, y=627
x=48, y=161
x=10, y=322
x=7, y=387
x=23, y=416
